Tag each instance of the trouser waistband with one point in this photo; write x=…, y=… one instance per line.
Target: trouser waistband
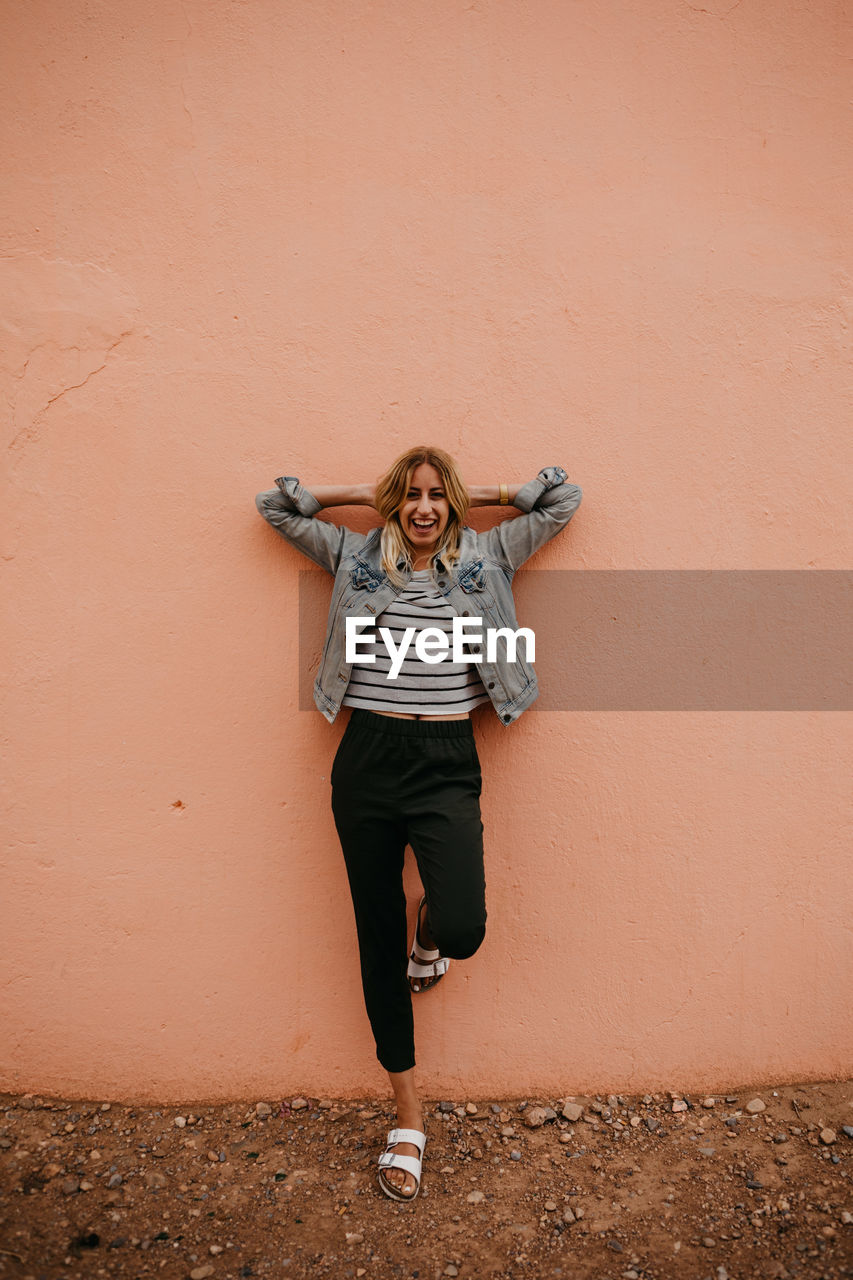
x=390, y=726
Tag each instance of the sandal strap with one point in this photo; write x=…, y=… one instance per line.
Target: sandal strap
x=433, y=970
x=414, y=1136
x=411, y=1164
x=418, y=950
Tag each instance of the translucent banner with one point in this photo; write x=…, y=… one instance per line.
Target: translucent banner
x=662, y=639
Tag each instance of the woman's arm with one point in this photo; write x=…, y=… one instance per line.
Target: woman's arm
x=290, y=508
x=549, y=502
x=489, y=495
x=344, y=495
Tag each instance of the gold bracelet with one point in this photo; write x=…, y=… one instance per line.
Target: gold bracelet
x=504, y=495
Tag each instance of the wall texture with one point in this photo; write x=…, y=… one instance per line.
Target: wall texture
x=257, y=237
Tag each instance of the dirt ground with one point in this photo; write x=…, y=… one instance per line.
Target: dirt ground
x=612, y=1188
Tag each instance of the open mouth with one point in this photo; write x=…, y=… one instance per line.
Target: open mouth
x=424, y=526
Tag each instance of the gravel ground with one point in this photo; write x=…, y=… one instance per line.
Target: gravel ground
x=612, y=1188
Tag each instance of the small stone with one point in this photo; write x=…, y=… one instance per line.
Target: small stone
x=707, y=1103
x=722, y=1274
x=550, y=1206
x=213, y=1155
x=154, y=1178
x=755, y=1106
x=180, y=1122
x=450, y=1270
x=85, y=1185
x=51, y=1170
x=707, y=1151
x=828, y=1136
x=263, y=1109
x=565, y=1138
x=708, y=1242
x=534, y=1117
x=475, y=1197
x=507, y=1131
x=214, y=1249
x=568, y=1216
x=652, y=1124
x=470, y=1108
x=445, y=1107
x=572, y=1111
x=679, y=1105
x=614, y=1245
x=69, y=1185
x=846, y=1217
x=355, y=1237
x=515, y=1155
x=298, y=1104
x=201, y=1273
x=115, y=1181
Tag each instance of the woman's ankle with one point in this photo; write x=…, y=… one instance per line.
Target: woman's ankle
x=409, y=1109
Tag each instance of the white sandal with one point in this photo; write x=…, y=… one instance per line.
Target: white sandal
x=411, y=1164
x=425, y=964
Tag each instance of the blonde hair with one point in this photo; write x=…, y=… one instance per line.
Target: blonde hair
x=391, y=491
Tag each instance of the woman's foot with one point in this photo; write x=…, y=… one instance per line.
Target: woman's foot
x=425, y=941
x=409, y=1116
x=401, y=1179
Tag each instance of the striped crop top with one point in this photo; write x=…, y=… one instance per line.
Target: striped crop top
x=421, y=688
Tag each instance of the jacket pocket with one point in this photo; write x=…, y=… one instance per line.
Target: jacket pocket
x=472, y=577
x=364, y=579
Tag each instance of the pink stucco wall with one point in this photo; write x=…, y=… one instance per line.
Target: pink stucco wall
x=247, y=238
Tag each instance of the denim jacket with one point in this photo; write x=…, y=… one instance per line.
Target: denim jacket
x=477, y=585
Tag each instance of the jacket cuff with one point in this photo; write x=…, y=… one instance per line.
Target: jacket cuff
x=298, y=496
x=530, y=493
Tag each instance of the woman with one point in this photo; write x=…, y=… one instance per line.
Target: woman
x=406, y=770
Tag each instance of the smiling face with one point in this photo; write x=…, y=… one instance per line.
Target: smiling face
x=425, y=511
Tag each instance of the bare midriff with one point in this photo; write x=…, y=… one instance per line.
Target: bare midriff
x=408, y=715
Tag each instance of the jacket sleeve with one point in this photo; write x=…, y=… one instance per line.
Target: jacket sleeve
x=291, y=509
x=549, y=502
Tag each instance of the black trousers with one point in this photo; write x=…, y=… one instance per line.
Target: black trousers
x=418, y=782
